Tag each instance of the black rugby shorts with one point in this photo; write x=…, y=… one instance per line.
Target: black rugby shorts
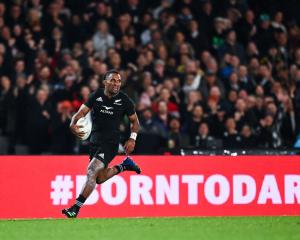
x=105, y=152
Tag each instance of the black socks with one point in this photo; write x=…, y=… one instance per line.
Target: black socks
x=79, y=202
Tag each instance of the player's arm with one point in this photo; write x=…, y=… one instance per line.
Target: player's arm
x=135, y=126
x=83, y=110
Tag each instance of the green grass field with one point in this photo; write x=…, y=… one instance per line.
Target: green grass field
x=242, y=228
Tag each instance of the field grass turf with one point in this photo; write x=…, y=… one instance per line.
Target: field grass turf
x=231, y=228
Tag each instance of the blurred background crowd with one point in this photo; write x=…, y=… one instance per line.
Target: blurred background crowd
x=203, y=74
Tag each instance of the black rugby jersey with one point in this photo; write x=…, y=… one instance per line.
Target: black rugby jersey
x=107, y=114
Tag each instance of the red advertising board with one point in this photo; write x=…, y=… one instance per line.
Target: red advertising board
x=40, y=186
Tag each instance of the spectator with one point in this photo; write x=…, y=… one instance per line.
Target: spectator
x=102, y=39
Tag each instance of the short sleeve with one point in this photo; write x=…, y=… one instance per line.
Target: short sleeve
x=130, y=109
x=90, y=102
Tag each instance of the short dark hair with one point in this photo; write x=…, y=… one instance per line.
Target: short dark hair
x=112, y=71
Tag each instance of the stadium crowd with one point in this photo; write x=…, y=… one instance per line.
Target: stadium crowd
x=203, y=74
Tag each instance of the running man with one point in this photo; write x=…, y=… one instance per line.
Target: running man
x=108, y=107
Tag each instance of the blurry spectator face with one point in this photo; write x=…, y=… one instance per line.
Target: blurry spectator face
x=76, y=20
x=5, y=83
x=243, y=72
x=45, y=73
x=15, y=12
x=198, y=111
x=203, y=129
x=264, y=71
x=69, y=81
x=102, y=27
x=281, y=39
x=35, y=3
x=162, y=107
x=5, y=33
x=219, y=25
x=232, y=95
x=249, y=16
x=88, y=46
x=171, y=19
x=179, y=37
x=230, y=124
x=193, y=26
x=271, y=109
x=233, y=78
x=251, y=102
x=193, y=97
x=133, y=3
x=147, y=114
x=115, y=60
x=159, y=67
x=53, y=9
x=94, y=84
x=101, y=9
x=240, y=105
x=165, y=94
x=211, y=79
x=42, y=57
x=205, y=57
x=17, y=30
x=189, y=79
x=41, y=96
x=297, y=54
x=184, y=48
x=278, y=17
x=2, y=9
x=20, y=66
x=175, y=125
x=231, y=37
x=169, y=85
x=243, y=94
x=85, y=92
x=191, y=67
x=147, y=79
x=234, y=61
x=254, y=65
x=176, y=82
x=21, y=81
x=246, y=131
x=33, y=17
x=297, y=75
x=150, y=90
x=56, y=34
x=207, y=7
x=162, y=52
x=269, y=120
x=124, y=21
x=147, y=18
x=273, y=51
x=212, y=65
x=214, y=93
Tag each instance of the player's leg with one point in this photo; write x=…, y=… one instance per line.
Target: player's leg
x=93, y=170
x=127, y=165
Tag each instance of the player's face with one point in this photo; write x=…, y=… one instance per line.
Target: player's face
x=113, y=83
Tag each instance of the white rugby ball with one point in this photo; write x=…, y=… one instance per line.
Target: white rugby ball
x=86, y=123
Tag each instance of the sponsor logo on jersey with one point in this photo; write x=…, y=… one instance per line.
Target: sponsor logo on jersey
x=99, y=99
x=107, y=108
